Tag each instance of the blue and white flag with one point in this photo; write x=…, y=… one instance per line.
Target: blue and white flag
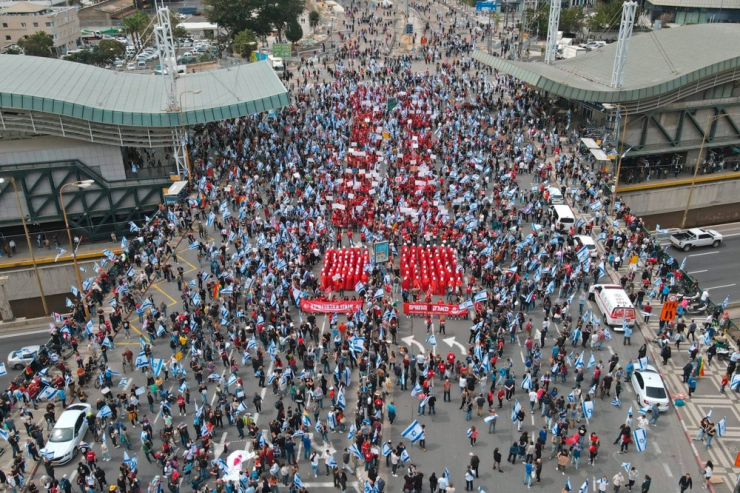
x=297, y=481
x=567, y=485
x=591, y=361
x=515, y=411
x=3, y=371
x=104, y=411
x=482, y=296
x=341, y=402
x=386, y=451
x=352, y=449
x=432, y=340
x=722, y=427
x=48, y=393
x=405, y=456
x=626, y=466
x=527, y=381
x=579, y=361
x=643, y=363
x=588, y=409
x=640, y=438
x=725, y=302
x=352, y=431
x=413, y=432
x=416, y=390
x=584, y=487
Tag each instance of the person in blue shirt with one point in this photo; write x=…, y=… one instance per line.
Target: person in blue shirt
x=306, y=446
x=528, y=468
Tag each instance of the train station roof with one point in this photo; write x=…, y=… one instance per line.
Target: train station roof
x=659, y=62
x=100, y=95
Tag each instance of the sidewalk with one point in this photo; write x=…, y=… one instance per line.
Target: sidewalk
x=47, y=255
x=705, y=400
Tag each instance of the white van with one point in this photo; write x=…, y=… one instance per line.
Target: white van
x=614, y=304
x=141, y=64
x=562, y=214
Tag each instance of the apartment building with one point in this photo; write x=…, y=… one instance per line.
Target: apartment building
x=25, y=18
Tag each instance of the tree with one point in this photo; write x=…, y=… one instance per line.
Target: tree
x=134, y=25
x=314, y=18
x=571, y=20
x=538, y=19
x=107, y=51
x=244, y=43
x=294, y=32
x=85, y=56
x=38, y=44
x=278, y=14
x=233, y=15
x=605, y=16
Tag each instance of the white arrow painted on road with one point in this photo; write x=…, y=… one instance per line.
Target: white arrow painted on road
x=450, y=341
x=410, y=340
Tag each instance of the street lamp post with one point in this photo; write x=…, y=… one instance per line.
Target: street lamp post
x=184, y=140
x=78, y=184
x=710, y=122
x=30, y=245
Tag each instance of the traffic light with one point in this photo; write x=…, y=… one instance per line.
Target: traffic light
x=409, y=28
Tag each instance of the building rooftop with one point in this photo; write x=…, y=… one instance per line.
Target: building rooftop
x=24, y=8
x=121, y=98
x=659, y=62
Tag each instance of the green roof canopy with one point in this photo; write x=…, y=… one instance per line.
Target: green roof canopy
x=99, y=95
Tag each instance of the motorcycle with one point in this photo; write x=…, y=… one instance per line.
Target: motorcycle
x=697, y=309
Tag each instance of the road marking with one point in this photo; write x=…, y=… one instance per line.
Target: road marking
x=24, y=333
x=667, y=470
x=610, y=350
x=732, y=234
x=725, y=286
x=697, y=271
x=700, y=254
x=523, y=359
x=657, y=448
x=173, y=300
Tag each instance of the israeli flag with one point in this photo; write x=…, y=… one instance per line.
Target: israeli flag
x=643, y=363
x=584, y=487
x=616, y=401
x=725, y=302
x=567, y=485
x=297, y=481
x=579, y=361
x=722, y=427
x=591, y=361
x=735, y=382
x=640, y=438
x=588, y=409
x=386, y=450
x=352, y=449
x=68, y=303
x=352, y=431
x=75, y=291
x=3, y=371
x=432, y=340
x=232, y=380
x=413, y=432
x=515, y=411
x=341, y=402
x=357, y=344
x=142, y=360
x=405, y=456
x=104, y=411
x=211, y=217
x=527, y=381
x=482, y=296
x=416, y=390
x=48, y=393
x=572, y=397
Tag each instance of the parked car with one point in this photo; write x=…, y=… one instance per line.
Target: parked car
x=68, y=432
x=650, y=389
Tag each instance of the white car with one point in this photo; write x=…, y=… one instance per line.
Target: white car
x=22, y=357
x=67, y=434
x=589, y=243
x=650, y=389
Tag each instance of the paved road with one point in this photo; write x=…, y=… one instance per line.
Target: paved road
x=716, y=269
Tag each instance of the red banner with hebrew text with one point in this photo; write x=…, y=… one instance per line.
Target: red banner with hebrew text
x=433, y=309
x=314, y=306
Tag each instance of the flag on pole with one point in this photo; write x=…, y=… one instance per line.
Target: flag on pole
x=640, y=437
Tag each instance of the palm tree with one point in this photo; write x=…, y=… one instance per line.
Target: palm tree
x=134, y=25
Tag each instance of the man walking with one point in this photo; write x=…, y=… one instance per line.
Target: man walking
x=685, y=483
